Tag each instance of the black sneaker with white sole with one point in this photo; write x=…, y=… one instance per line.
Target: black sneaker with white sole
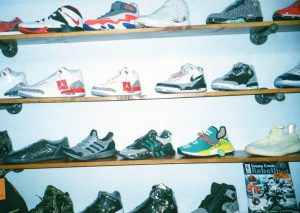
x=289, y=79
x=241, y=77
x=92, y=147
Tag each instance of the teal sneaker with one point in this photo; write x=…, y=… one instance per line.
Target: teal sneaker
x=211, y=142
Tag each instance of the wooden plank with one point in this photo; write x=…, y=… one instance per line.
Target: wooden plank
x=153, y=96
x=236, y=157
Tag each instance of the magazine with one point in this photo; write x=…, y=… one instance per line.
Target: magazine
x=270, y=188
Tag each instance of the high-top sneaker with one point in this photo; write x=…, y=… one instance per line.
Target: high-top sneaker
x=291, y=12
x=120, y=16
x=189, y=79
x=5, y=145
x=10, y=82
x=64, y=19
x=126, y=82
x=106, y=203
x=238, y=12
x=288, y=79
x=241, y=77
x=171, y=13
x=63, y=83
x=160, y=200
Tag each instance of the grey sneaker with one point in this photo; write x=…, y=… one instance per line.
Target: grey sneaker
x=238, y=12
x=92, y=147
x=241, y=77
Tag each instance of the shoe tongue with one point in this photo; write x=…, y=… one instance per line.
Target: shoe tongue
x=152, y=133
x=212, y=133
x=162, y=186
x=94, y=133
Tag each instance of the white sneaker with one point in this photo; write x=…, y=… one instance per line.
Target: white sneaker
x=280, y=141
x=172, y=13
x=189, y=79
x=63, y=83
x=10, y=82
x=126, y=82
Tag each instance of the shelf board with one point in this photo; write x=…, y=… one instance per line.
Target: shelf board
x=154, y=96
x=236, y=157
x=141, y=33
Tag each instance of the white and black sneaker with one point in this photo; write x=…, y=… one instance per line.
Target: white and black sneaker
x=92, y=147
x=189, y=79
x=241, y=77
x=64, y=19
x=289, y=79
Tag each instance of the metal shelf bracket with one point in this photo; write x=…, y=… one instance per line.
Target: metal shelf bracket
x=11, y=108
x=267, y=98
x=259, y=35
x=9, y=48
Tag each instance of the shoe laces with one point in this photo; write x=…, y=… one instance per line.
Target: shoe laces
x=87, y=141
x=45, y=81
x=183, y=71
x=275, y=133
x=206, y=138
x=120, y=73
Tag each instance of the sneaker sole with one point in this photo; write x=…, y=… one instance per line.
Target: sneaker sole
x=99, y=155
x=21, y=161
x=291, y=149
x=45, y=29
x=160, y=89
x=212, y=153
x=26, y=95
x=279, y=17
x=104, y=93
x=287, y=84
x=214, y=20
x=222, y=86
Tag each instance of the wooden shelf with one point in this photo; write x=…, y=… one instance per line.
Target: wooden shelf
x=154, y=96
x=236, y=157
x=142, y=33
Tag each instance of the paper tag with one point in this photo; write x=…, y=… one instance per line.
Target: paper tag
x=2, y=189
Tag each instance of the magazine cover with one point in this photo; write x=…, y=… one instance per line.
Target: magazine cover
x=270, y=188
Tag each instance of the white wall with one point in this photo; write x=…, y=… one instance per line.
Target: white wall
x=155, y=59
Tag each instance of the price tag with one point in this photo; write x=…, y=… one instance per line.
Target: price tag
x=2, y=189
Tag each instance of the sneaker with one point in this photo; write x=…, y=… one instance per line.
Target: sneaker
x=9, y=26
x=64, y=19
x=120, y=16
x=126, y=82
x=63, y=83
x=39, y=151
x=291, y=12
x=171, y=13
x=92, y=147
x=209, y=143
x=150, y=145
x=10, y=82
x=189, y=79
x=54, y=200
x=288, y=79
x=238, y=12
x=106, y=203
x=5, y=145
x=160, y=200
x=222, y=199
x=280, y=141
x=241, y=77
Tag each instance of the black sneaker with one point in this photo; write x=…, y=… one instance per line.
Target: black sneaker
x=150, y=145
x=106, y=203
x=238, y=12
x=222, y=199
x=54, y=200
x=160, y=200
x=39, y=151
x=5, y=145
x=289, y=79
x=241, y=77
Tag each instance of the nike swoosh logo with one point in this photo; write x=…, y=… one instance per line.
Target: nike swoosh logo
x=75, y=21
x=198, y=77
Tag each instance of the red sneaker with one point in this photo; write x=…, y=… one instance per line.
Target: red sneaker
x=291, y=12
x=6, y=26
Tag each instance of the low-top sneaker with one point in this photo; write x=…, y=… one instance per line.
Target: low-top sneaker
x=106, y=203
x=39, y=151
x=126, y=82
x=150, y=145
x=92, y=147
x=280, y=141
x=238, y=12
x=171, y=13
x=289, y=79
x=64, y=19
x=291, y=12
x=241, y=77
x=10, y=82
x=121, y=16
x=189, y=79
x=63, y=83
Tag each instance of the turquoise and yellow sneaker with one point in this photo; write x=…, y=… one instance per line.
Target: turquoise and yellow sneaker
x=211, y=142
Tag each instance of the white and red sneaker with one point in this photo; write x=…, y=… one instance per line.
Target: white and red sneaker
x=64, y=19
x=126, y=82
x=10, y=82
x=63, y=83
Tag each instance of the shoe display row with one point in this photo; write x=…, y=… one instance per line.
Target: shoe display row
x=124, y=15
x=190, y=78
x=161, y=199
x=280, y=141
